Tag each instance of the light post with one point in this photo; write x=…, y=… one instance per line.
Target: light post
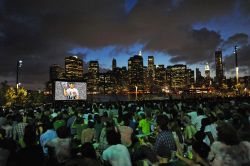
x=136, y=93
x=19, y=65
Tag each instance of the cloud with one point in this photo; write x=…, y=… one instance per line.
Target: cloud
x=245, y=6
x=43, y=31
x=200, y=47
x=239, y=39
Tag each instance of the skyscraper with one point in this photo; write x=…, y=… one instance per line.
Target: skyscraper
x=219, y=69
x=199, y=78
x=207, y=70
x=135, y=69
x=160, y=76
x=207, y=79
x=106, y=83
x=178, y=76
x=56, y=72
x=93, y=76
x=73, y=68
x=190, y=77
x=151, y=68
x=114, y=64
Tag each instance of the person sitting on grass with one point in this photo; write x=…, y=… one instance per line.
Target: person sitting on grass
x=117, y=154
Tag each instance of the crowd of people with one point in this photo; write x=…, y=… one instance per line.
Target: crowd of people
x=191, y=132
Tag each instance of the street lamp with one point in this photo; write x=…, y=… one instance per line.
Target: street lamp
x=19, y=65
x=136, y=92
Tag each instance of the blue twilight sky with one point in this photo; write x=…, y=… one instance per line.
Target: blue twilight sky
x=44, y=32
x=225, y=25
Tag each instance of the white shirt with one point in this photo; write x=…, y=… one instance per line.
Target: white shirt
x=198, y=121
x=117, y=155
x=72, y=93
x=211, y=128
x=193, y=116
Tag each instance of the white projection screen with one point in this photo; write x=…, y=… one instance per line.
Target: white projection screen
x=65, y=90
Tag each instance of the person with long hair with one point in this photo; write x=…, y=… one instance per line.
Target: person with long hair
x=228, y=150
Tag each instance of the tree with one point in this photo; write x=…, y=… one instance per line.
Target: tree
x=19, y=99
x=36, y=97
x=22, y=97
x=10, y=96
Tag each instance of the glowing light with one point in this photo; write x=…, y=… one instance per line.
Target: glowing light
x=237, y=75
x=20, y=62
x=140, y=53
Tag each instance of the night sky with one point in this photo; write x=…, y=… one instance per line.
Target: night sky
x=43, y=32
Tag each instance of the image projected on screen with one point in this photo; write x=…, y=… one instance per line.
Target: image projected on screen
x=70, y=90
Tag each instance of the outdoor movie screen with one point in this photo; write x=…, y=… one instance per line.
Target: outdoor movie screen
x=70, y=90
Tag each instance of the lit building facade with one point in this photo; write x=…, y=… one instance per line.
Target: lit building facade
x=219, y=73
x=73, y=68
x=120, y=76
x=177, y=76
x=160, y=76
x=207, y=70
x=190, y=77
x=107, y=83
x=151, y=68
x=207, y=79
x=93, y=77
x=56, y=72
x=135, y=70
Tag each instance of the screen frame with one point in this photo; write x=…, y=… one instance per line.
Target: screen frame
x=69, y=81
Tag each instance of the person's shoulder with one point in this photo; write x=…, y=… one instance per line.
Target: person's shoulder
x=166, y=133
x=218, y=145
x=215, y=143
x=245, y=144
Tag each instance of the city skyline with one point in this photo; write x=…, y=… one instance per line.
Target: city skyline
x=150, y=79
x=187, y=32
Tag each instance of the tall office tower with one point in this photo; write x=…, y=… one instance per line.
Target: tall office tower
x=120, y=77
x=219, y=69
x=114, y=64
x=56, y=72
x=135, y=69
x=207, y=79
x=160, y=76
x=93, y=76
x=73, y=68
x=178, y=76
x=199, y=78
x=124, y=76
x=190, y=77
x=151, y=68
x=207, y=70
x=107, y=83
